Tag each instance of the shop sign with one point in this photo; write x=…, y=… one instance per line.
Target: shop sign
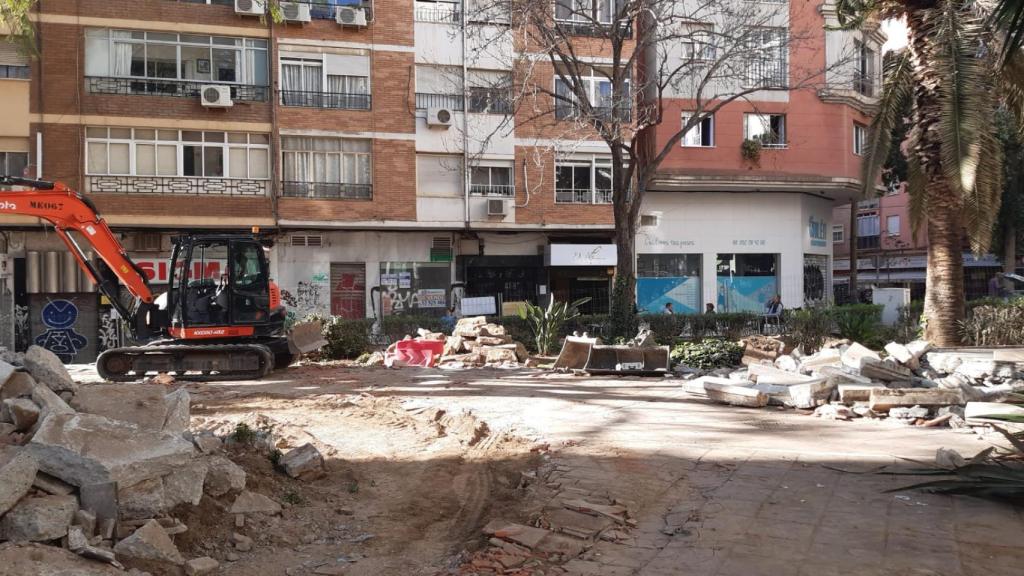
x=816, y=230
x=581, y=255
x=158, y=270
x=432, y=298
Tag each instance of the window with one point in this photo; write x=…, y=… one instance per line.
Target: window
x=746, y=281
x=440, y=175
x=699, y=44
x=838, y=234
x=171, y=56
x=13, y=163
x=442, y=12
x=173, y=153
x=491, y=181
x=597, y=87
x=892, y=225
x=860, y=139
x=768, y=57
x=489, y=92
x=702, y=135
x=864, y=76
x=414, y=287
x=327, y=167
x=15, y=72
x=584, y=11
x=668, y=279
x=769, y=129
x=584, y=181
x=326, y=81
x=867, y=231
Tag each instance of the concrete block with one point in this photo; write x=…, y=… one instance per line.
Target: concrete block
x=86, y=449
x=303, y=462
x=19, y=385
x=39, y=519
x=885, y=370
x=824, y=357
x=178, y=413
x=811, y=394
x=201, y=566
x=736, y=395
x=884, y=399
x=17, y=471
x=696, y=386
x=851, y=393
x=101, y=500
x=6, y=371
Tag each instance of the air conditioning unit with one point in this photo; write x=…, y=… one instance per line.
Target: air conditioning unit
x=251, y=7
x=497, y=207
x=350, y=15
x=440, y=117
x=295, y=12
x=217, y=97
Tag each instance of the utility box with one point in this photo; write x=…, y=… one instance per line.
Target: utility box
x=892, y=299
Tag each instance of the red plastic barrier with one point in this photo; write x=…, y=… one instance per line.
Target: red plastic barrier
x=423, y=353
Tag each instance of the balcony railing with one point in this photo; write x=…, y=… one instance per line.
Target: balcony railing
x=441, y=13
x=449, y=101
x=175, y=185
x=576, y=28
x=303, y=99
x=502, y=190
x=565, y=111
x=490, y=101
x=582, y=196
x=868, y=242
x=172, y=88
x=327, y=190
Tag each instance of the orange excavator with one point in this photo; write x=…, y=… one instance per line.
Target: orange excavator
x=202, y=327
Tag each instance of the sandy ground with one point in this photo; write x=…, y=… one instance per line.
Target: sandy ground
x=419, y=460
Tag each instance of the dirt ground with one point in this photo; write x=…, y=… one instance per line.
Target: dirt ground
x=420, y=460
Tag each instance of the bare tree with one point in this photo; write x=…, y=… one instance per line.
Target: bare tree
x=586, y=70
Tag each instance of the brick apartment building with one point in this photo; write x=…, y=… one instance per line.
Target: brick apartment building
x=346, y=133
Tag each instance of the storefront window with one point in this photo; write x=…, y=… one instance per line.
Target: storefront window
x=668, y=278
x=414, y=287
x=746, y=281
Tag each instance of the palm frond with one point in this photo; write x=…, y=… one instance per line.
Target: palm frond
x=1011, y=86
x=966, y=103
x=1009, y=16
x=981, y=203
x=896, y=92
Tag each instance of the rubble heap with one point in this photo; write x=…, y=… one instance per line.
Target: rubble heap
x=99, y=470
x=476, y=342
x=911, y=383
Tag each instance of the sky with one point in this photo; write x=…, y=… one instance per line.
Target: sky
x=896, y=30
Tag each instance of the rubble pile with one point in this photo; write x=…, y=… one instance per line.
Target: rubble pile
x=911, y=383
x=100, y=470
x=476, y=342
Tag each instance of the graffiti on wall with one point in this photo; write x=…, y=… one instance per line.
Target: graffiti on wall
x=22, y=329
x=110, y=331
x=60, y=337
x=309, y=297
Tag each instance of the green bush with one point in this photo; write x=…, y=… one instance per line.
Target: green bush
x=809, y=327
x=399, y=326
x=859, y=322
x=346, y=338
x=708, y=354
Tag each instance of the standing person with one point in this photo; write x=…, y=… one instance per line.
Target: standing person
x=709, y=308
x=449, y=319
x=995, y=286
x=668, y=309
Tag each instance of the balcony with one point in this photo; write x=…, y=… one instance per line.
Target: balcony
x=493, y=190
x=582, y=196
x=327, y=190
x=175, y=185
x=593, y=29
x=334, y=100
x=567, y=111
x=440, y=13
x=454, y=102
x=868, y=242
x=171, y=88
x=864, y=84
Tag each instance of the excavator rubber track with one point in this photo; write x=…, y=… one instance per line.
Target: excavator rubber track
x=191, y=362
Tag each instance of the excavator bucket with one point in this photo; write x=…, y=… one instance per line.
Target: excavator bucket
x=306, y=337
x=628, y=360
x=575, y=352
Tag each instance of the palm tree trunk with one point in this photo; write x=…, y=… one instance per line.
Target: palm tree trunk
x=1010, y=248
x=944, y=294
x=854, y=292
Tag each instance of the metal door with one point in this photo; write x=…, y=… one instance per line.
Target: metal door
x=348, y=290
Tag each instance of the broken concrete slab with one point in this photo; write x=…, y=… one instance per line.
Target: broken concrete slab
x=736, y=395
x=900, y=353
x=1012, y=355
x=855, y=354
x=38, y=519
x=834, y=412
x=51, y=485
x=22, y=412
x=696, y=386
x=850, y=393
x=79, y=544
x=101, y=500
x=811, y=394
x=469, y=327
x=19, y=385
x=499, y=355
x=886, y=371
x=615, y=513
x=186, y=485
x=223, y=476
x=518, y=533
x=139, y=404
x=142, y=500
x=47, y=369
x=149, y=543
x=49, y=402
x=17, y=471
x=842, y=374
x=765, y=374
x=824, y=357
x=884, y=399
x=254, y=503
x=201, y=566
x=909, y=412
x=919, y=348
x=177, y=405
x=787, y=363
x=87, y=449
x=304, y=462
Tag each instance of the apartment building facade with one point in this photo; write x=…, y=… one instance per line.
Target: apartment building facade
x=374, y=142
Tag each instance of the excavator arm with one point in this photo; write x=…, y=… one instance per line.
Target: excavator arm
x=68, y=211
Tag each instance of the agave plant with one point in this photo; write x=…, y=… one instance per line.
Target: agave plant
x=547, y=323
x=951, y=77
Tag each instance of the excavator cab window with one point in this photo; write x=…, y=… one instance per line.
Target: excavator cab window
x=250, y=288
x=206, y=284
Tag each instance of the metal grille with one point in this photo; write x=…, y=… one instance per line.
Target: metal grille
x=443, y=13
x=573, y=28
x=172, y=88
x=175, y=185
x=325, y=100
x=327, y=190
x=502, y=190
x=582, y=196
x=449, y=101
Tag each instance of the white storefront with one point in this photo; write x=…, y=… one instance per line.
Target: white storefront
x=734, y=250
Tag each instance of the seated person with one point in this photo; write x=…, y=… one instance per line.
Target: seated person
x=773, y=310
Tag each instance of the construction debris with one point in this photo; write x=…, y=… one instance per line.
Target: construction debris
x=475, y=342
x=304, y=462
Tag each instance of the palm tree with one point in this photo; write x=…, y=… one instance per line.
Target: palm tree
x=949, y=76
